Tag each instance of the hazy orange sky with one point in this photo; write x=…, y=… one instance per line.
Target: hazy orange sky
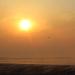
x=53, y=34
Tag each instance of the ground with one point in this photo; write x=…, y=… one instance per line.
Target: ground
x=25, y=69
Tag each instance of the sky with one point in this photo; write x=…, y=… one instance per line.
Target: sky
x=53, y=34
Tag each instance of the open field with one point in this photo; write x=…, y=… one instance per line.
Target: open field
x=36, y=69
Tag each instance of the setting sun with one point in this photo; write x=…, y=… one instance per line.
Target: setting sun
x=25, y=25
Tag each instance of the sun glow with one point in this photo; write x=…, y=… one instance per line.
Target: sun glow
x=25, y=25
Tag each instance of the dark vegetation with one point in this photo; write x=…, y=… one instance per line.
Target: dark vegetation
x=25, y=69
